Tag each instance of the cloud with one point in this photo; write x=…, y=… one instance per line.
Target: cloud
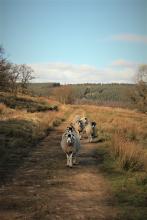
x=65, y=73
x=121, y=63
x=130, y=38
x=71, y=73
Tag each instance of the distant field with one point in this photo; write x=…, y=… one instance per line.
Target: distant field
x=42, y=89
x=99, y=94
x=105, y=94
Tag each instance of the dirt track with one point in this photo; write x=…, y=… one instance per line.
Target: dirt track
x=45, y=189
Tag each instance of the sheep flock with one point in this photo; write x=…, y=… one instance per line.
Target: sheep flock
x=70, y=142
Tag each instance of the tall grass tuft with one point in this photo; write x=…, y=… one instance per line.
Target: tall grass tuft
x=129, y=154
x=3, y=108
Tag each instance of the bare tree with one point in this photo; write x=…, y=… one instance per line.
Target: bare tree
x=139, y=96
x=25, y=74
x=142, y=74
x=14, y=78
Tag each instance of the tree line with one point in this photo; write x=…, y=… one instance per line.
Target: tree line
x=122, y=95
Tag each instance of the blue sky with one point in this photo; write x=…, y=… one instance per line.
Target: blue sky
x=76, y=40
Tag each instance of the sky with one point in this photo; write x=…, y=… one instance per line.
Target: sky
x=76, y=41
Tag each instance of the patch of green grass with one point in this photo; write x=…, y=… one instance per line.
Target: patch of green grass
x=130, y=213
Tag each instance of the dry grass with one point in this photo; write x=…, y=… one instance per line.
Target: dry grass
x=131, y=124
x=127, y=132
x=124, y=157
x=27, y=103
x=41, y=121
x=129, y=154
x=20, y=130
x=2, y=108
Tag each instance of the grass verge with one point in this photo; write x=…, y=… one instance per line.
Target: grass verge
x=20, y=131
x=129, y=187
x=123, y=153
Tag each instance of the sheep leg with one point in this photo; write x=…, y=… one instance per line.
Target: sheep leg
x=70, y=160
x=90, y=139
x=67, y=159
x=75, y=160
x=79, y=135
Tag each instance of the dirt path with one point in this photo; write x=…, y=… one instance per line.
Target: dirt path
x=45, y=189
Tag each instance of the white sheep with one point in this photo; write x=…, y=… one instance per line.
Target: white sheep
x=70, y=144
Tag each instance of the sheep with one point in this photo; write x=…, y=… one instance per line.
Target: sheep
x=76, y=118
x=79, y=126
x=90, y=130
x=93, y=123
x=84, y=120
x=70, y=144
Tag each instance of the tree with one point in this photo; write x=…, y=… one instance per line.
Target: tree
x=24, y=74
x=139, y=96
x=142, y=74
x=5, y=67
x=13, y=76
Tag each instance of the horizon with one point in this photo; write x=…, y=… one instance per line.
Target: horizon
x=74, y=41
x=82, y=83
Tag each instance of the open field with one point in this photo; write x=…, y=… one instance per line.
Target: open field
x=110, y=181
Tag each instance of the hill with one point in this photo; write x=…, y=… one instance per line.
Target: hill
x=100, y=94
x=105, y=94
x=42, y=89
